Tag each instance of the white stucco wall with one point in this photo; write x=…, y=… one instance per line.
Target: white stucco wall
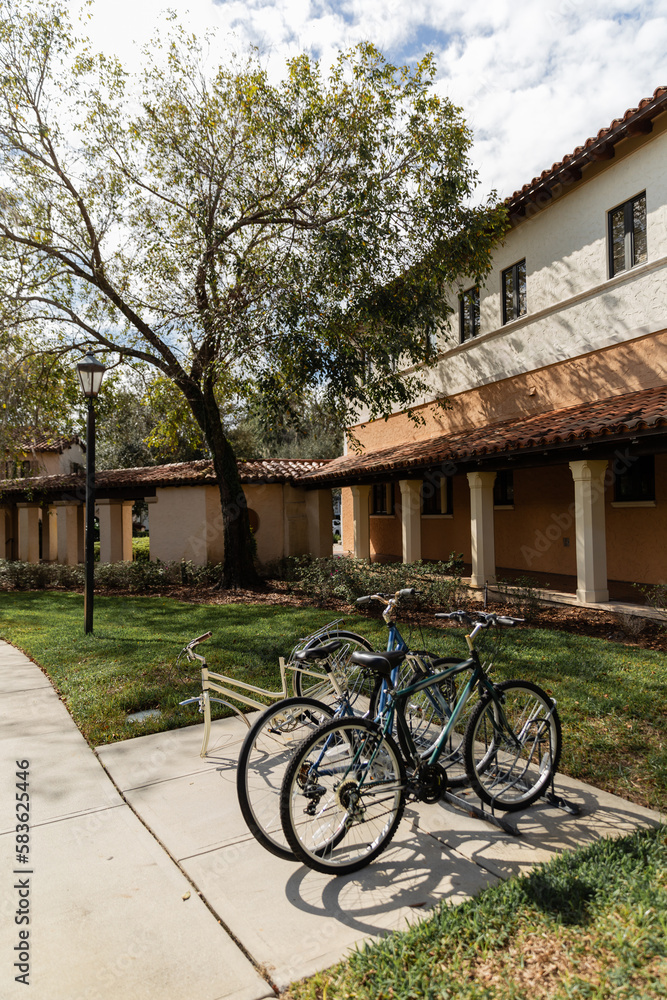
x=573, y=307
x=185, y=522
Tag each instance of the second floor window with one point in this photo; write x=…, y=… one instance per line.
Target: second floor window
x=627, y=235
x=514, y=291
x=469, y=314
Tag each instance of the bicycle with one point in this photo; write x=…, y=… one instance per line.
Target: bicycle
x=345, y=789
x=429, y=710
x=312, y=678
x=281, y=728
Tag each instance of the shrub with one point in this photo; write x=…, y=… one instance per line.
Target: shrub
x=656, y=598
x=347, y=578
x=523, y=591
x=141, y=549
x=136, y=577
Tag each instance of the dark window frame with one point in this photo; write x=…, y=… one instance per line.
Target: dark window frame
x=629, y=235
x=503, y=488
x=439, y=493
x=379, y=504
x=518, y=274
x=636, y=483
x=469, y=311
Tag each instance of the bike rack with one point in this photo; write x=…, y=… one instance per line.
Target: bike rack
x=479, y=812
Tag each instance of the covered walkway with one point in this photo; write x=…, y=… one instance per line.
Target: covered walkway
x=579, y=492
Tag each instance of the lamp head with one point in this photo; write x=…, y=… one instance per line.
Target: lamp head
x=90, y=372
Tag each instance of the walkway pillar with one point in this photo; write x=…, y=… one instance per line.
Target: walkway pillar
x=28, y=532
x=115, y=517
x=6, y=532
x=361, y=518
x=481, y=528
x=70, y=532
x=319, y=513
x=589, y=484
x=49, y=534
x=411, y=519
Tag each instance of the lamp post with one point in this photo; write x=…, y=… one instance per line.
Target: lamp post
x=90, y=372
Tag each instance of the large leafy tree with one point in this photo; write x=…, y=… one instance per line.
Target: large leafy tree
x=40, y=398
x=238, y=235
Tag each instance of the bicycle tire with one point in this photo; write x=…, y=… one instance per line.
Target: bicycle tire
x=267, y=748
x=351, y=823
x=349, y=676
x=509, y=772
x=428, y=712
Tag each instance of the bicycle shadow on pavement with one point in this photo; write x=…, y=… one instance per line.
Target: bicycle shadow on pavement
x=544, y=829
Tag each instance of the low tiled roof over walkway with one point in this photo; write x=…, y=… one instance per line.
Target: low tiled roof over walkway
x=605, y=421
x=144, y=481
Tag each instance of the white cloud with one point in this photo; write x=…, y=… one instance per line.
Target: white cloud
x=535, y=79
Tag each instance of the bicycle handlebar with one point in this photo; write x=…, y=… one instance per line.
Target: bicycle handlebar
x=200, y=638
x=483, y=618
x=385, y=598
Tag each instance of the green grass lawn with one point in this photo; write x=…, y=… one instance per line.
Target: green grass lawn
x=612, y=698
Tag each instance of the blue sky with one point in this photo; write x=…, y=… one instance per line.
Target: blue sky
x=534, y=79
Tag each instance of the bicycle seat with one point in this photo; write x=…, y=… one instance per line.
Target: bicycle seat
x=319, y=652
x=379, y=663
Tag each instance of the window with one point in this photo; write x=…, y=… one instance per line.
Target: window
x=469, y=314
x=437, y=494
x=627, y=235
x=514, y=291
x=382, y=498
x=637, y=482
x=503, y=489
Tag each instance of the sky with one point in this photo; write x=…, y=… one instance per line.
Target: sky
x=535, y=79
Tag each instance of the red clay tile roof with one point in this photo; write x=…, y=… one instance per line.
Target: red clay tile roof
x=279, y=470
x=635, y=121
x=627, y=414
x=57, y=444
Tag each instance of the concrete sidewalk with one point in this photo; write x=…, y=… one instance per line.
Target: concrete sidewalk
x=143, y=881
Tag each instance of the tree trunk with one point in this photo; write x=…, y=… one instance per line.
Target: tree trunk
x=239, y=566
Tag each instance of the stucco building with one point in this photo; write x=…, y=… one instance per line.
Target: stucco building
x=43, y=517
x=551, y=459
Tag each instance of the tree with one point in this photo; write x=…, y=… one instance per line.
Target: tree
x=136, y=428
x=239, y=236
x=39, y=394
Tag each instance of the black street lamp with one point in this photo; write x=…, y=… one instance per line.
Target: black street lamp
x=90, y=372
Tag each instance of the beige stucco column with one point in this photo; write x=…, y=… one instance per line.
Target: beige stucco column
x=49, y=534
x=70, y=532
x=6, y=532
x=115, y=518
x=319, y=514
x=362, y=524
x=411, y=519
x=589, y=486
x=481, y=528
x=28, y=532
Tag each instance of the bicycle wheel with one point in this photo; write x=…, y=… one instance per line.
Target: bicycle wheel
x=350, y=677
x=512, y=746
x=427, y=713
x=265, y=754
x=343, y=796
